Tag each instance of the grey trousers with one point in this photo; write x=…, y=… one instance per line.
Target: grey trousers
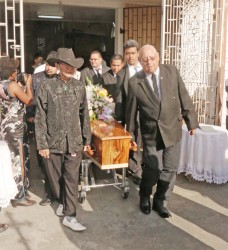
x=63, y=174
x=159, y=168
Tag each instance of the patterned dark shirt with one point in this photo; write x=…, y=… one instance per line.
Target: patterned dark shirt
x=62, y=119
x=37, y=80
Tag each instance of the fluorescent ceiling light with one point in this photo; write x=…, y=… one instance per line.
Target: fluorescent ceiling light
x=51, y=13
x=49, y=16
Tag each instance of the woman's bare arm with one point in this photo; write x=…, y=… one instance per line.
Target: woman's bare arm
x=16, y=90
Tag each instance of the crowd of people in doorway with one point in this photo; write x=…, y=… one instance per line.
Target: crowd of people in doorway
x=151, y=102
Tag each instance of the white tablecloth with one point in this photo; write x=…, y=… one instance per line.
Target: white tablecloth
x=8, y=188
x=205, y=154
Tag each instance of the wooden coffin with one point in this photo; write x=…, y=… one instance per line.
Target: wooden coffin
x=111, y=143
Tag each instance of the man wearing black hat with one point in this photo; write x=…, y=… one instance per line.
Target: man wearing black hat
x=39, y=78
x=62, y=131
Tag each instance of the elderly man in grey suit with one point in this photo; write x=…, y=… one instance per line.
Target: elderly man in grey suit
x=131, y=49
x=94, y=72
x=160, y=96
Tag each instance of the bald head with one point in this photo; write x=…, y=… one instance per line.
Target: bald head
x=149, y=58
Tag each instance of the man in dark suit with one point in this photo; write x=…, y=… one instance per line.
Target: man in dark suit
x=37, y=79
x=94, y=72
x=110, y=77
x=131, y=48
x=160, y=96
x=36, y=61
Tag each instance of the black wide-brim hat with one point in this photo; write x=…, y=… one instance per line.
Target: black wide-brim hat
x=67, y=56
x=51, y=58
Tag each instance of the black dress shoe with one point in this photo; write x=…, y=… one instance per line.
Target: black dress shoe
x=145, y=205
x=161, y=209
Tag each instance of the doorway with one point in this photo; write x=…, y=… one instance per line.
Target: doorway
x=83, y=29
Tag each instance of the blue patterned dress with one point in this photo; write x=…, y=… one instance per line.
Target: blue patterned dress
x=12, y=130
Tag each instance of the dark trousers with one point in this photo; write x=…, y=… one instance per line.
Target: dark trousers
x=159, y=168
x=47, y=188
x=135, y=157
x=63, y=173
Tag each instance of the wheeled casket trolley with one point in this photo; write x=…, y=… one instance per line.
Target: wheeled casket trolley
x=110, y=144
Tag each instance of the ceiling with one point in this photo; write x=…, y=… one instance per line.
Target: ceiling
x=72, y=13
x=89, y=20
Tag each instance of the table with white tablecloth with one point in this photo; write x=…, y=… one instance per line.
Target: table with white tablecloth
x=205, y=154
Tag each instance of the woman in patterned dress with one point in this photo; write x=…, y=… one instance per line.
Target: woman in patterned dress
x=13, y=96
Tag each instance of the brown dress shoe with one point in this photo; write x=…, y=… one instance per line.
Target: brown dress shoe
x=45, y=201
x=3, y=227
x=24, y=202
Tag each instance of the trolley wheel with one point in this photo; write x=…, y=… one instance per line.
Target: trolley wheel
x=125, y=192
x=125, y=195
x=81, y=198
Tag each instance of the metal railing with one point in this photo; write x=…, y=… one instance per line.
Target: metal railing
x=12, y=30
x=190, y=40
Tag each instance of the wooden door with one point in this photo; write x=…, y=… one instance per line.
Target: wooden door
x=143, y=24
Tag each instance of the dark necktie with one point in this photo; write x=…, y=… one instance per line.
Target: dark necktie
x=155, y=85
x=98, y=74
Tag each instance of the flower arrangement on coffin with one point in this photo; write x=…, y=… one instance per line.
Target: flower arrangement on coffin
x=100, y=104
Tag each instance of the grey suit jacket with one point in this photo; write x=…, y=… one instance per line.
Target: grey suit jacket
x=88, y=73
x=160, y=119
x=121, y=93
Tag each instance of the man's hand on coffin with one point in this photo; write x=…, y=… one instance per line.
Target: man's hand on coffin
x=44, y=153
x=192, y=131
x=88, y=149
x=133, y=146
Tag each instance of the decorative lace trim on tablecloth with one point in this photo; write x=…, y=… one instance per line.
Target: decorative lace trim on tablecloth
x=202, y=175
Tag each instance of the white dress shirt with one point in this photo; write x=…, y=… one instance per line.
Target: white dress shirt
x=77, y=75
x=99, y=70
x=39, y=68
x=134, y=69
